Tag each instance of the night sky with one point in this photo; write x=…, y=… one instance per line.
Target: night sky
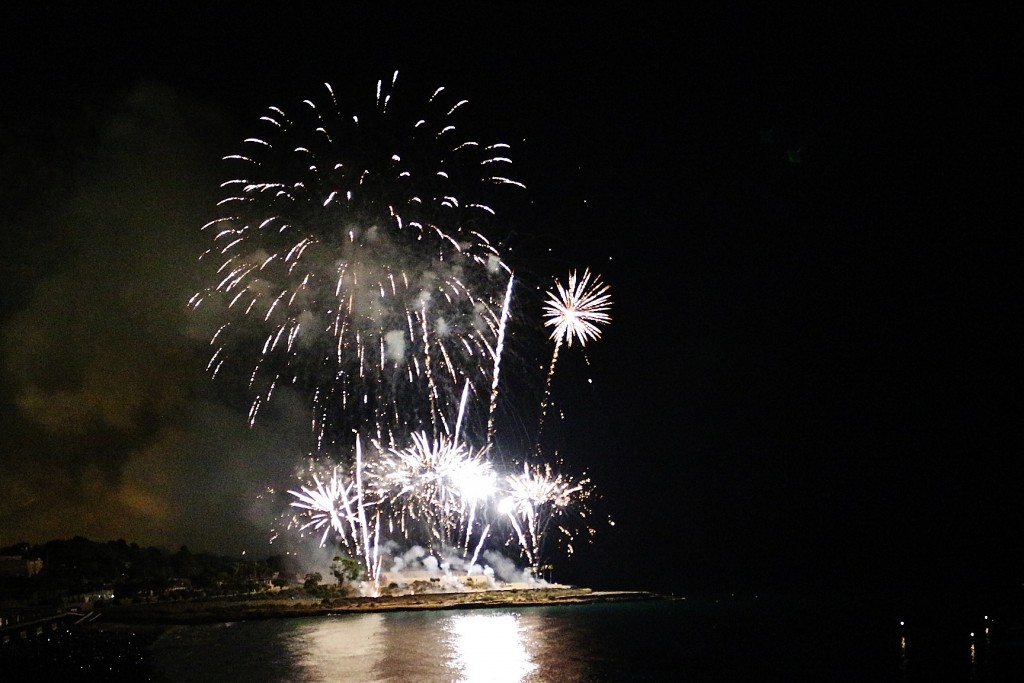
x=812, y=373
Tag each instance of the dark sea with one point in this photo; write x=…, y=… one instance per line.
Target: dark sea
x=709, y=639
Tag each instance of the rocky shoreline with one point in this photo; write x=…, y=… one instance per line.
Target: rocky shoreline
x=216, y=611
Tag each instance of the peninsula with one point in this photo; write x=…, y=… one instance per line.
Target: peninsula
x=238, y=609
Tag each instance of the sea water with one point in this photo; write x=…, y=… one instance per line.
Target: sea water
x=748, y=639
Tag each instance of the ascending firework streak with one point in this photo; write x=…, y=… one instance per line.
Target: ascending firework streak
x=574, y=312
x=499, y=348
x=353, y=266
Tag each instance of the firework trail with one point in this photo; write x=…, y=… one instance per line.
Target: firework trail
x=497, y=362
x=574, y=311
x=353, y=264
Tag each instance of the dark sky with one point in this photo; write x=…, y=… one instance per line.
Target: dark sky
x=812, y=371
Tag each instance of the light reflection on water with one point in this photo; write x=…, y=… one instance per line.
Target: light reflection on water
x=500, y=646
x=463, y=647
x=643, y=641
x=547, y=644
x=320, y=648
x=489, y=646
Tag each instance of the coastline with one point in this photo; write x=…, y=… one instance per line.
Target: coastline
x=163, y=614
x=115, y=642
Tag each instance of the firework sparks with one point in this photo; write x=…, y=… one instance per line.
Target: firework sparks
x=353, y=265
x=336, y=501
x=536, y=498
x=437, y=482
x=574, y=311
x=329, y=504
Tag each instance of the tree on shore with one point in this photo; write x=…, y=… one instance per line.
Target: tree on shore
x=346, y=568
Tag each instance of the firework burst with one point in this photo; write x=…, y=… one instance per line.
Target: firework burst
x=435, y=482
x=353, y=263
x=574, y=311
x=328, y=504
x=333, y=500
x=538, y=498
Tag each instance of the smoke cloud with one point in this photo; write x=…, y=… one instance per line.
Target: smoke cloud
x=111, y=428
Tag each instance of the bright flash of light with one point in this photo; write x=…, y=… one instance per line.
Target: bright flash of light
x=437, y=482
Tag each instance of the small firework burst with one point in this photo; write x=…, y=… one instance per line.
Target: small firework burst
x=535, y=499
x=576, y=310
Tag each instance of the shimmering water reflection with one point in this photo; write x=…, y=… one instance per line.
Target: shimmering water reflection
x=317, y=648
x=458, y=646
x=489, y=646
x=524, y=645
x=650, y=641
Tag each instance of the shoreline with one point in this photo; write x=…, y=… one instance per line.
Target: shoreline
x=127, y=634
x=218, y=611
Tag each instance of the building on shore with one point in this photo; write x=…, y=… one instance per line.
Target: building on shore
x=14, y=565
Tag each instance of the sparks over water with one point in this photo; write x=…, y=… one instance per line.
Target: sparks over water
x=353, y=266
